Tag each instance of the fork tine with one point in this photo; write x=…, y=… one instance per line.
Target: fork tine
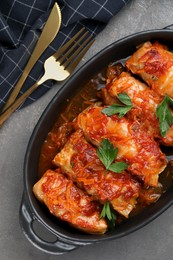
x=66, y=54
x=71, y=66
x=66, y=45
x=76, y=52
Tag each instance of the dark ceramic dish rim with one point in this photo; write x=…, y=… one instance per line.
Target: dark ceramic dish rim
x=102, y=59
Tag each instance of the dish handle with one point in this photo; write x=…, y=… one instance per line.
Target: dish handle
x=27, y=218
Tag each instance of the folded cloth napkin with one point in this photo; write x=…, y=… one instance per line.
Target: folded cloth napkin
x=21, y=22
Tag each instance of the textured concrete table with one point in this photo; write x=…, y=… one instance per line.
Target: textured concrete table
x=154, y=241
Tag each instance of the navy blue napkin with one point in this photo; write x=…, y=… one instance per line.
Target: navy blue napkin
x=21, y=22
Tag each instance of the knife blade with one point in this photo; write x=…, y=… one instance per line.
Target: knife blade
x=48, y=34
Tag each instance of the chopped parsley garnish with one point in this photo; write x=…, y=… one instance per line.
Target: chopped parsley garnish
x=163, y=113
x=120, y=109
x=108, y=213
x=107, y=153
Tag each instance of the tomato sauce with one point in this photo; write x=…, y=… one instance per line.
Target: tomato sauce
x=88, y=95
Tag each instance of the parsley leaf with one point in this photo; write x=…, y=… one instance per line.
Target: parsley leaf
x=118, y=167
x=125, y=99
x=120, y=109
x=116, y=109
x=107, y=212
x=163, y=113
x=107, y=153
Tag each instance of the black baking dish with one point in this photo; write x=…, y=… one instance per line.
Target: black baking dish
x=67, y=238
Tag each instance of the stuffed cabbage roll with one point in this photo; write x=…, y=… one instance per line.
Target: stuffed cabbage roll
x=79, y=160
x=145, y=102
x=67, y=202
x=154, y=64
x=135, y=146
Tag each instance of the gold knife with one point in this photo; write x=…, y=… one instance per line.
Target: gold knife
x=48, y=34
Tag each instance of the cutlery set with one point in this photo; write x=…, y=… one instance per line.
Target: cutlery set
x=57, y=67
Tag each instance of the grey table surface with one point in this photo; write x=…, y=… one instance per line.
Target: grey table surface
x=153, y=241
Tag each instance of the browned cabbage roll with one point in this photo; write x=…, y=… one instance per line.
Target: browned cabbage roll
x=145, y=102
x=136, y=147
x=67, y=202
x=79, y=160
x=154, y=64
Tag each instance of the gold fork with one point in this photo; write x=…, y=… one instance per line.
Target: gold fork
x=48, y=34
x=57, y=67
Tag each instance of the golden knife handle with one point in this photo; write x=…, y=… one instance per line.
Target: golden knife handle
x=48, y=34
